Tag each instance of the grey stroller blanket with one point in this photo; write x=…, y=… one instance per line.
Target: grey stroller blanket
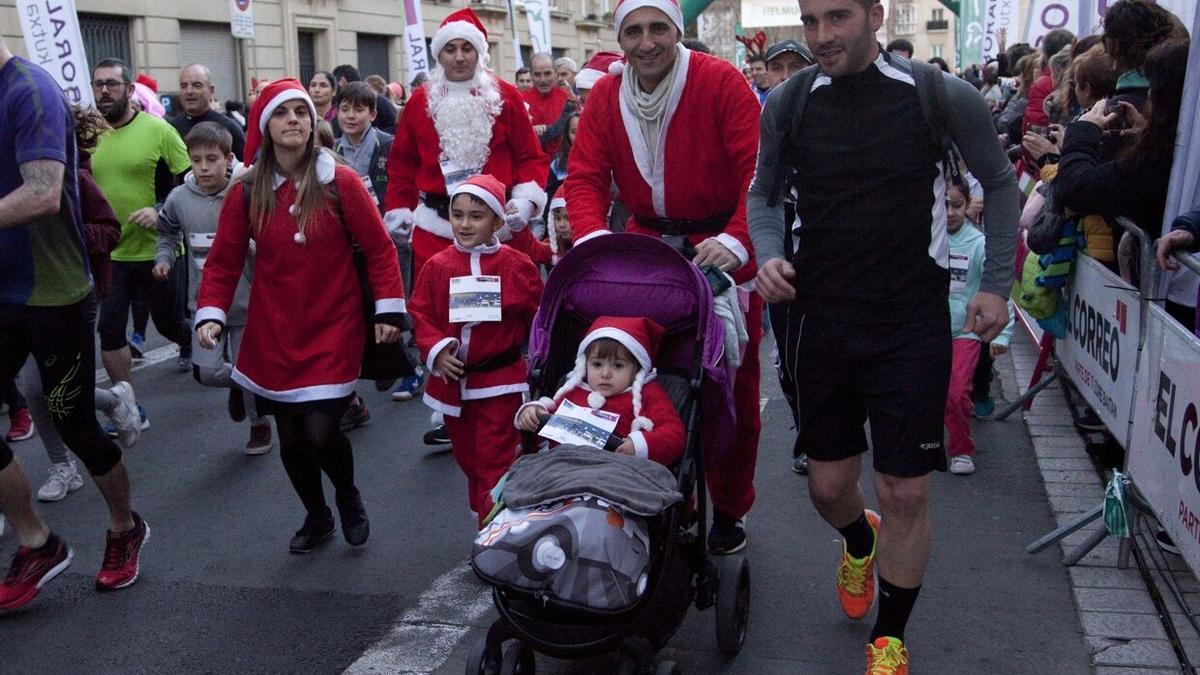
x=634, y=484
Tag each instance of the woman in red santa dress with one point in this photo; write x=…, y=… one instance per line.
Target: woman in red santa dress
x=463, y=121
x=303, y=345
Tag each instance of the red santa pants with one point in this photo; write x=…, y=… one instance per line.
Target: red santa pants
x=425, y=245
x=731, y=479
x=959, y=407
x=485, y=444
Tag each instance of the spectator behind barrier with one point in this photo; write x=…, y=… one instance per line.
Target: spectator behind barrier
x=1132, y=28
x=1043, y=86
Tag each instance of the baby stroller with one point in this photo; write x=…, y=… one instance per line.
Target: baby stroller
x=635, y=275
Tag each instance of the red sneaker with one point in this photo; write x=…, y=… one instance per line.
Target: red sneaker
x=31, y=569
x=20, y=425
x=121, y=554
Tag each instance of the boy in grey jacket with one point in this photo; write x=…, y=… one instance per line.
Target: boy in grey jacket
x=190, y=215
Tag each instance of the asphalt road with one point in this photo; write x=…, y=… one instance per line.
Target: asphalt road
x=219, y=593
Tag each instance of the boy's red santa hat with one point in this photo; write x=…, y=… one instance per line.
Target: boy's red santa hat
x=668, y=7
x=461, y=25
x=485, y=187
x=601, y=64
x=274, y=95
x=641, y=337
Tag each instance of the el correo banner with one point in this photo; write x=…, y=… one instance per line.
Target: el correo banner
x=999, y=15
x=538, y=14
x=414, y=40
x=241, y=19
x=1101, y=350
x=1083, y=17
x=53, y=41
x=770, y=13
x=1164, y=451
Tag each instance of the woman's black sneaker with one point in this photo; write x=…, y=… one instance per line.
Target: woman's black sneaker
x=437, y=436
x=314, y=533
x=355, y=527
x=726, y=535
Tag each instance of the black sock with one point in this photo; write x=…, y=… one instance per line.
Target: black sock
x=895, y=604
x=859, y=536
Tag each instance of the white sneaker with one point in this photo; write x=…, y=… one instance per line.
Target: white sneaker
x=125, y=417
x=64, y=479
x=962, y=465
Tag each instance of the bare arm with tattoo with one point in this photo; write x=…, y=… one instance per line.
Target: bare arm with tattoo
x=37, y=196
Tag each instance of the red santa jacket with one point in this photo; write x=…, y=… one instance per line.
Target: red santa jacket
x=304, y=326
x=546, y=109
x=663, y=444
x=476, y=342
x=516, y=158
x=1035, y=110
x=706, y=156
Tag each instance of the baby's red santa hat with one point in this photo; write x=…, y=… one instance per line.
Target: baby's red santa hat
x=668, y=7
x=641, y=337
x=485, y=187
x=274, y=95
x=601, y=64
x=463, y=24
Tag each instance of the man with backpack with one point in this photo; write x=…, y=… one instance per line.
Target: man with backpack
x=867, y=140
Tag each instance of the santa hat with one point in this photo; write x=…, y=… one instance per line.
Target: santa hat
x=274, y=95
x=668, y=7
x=601, y=64
x=150, y=82
x=641, y=337
x=556, y=203
x=485, y=187
x=461, y=25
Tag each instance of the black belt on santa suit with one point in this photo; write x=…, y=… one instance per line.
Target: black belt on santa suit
x=441, y=203
x=675, y=227
x=496, y=361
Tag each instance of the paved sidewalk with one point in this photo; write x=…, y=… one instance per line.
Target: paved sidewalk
x=1121, y=623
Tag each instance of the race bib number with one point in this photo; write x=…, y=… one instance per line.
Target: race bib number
x=577, y=425
x=959, y=265
x=454, y=174
x=199, y=245
x=474, y=299
x=366, y=181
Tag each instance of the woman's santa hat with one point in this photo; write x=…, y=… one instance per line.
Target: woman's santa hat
x=641, y=337
x=601, y=64
x=274, y=95
x=668, y=7
x=485, y=187
x=461, y=25
x=556, y=203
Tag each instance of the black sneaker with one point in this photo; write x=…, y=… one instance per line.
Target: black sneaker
x=726, y=535
x=316, y=530
x=355, y=526
x=1089, y=421
x=437, y=436
x=356, y=414
x=800, y=464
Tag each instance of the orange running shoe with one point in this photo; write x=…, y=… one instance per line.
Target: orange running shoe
x=856, y=576
x=887, y=656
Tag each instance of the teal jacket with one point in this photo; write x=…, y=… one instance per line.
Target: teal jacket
x=966, y=273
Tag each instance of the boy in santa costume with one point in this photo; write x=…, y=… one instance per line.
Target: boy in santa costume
x=614, y=373
x=677, y=132
x=463, y=121
x=478, y=372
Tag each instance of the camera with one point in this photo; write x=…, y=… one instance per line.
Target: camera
x=1122, y=120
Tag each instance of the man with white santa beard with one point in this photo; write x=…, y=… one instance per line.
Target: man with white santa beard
x=463, y=121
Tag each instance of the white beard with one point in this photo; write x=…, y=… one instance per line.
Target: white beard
x=464, y=122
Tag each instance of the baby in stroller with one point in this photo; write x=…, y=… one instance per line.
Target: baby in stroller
x=613, y=372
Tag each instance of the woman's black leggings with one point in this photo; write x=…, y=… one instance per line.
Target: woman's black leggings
x=310, y=443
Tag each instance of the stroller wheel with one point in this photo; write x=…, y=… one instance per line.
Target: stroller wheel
x=477, y=659
x=518, y=660
x=668, y=668
x=733, y=603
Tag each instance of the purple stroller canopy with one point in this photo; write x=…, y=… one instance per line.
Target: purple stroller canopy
x=640, y=276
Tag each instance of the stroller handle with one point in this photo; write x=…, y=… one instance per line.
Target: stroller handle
x=614, y=441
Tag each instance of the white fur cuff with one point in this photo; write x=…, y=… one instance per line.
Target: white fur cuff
x=533, y=192
x=642, y=424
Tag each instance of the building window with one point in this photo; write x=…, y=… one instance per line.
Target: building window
x=105, y=37
x=939, y=51
x=939, y=21
x=939, y=14
x=373, y=57
x=906, y=18
x=307, y=48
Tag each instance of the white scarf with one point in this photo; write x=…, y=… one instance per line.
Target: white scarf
x=651, y=107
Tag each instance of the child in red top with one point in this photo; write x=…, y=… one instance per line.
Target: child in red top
x=479, y=375
x=613, y=372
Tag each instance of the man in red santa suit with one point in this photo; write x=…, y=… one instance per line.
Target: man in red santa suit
x=547, y=99
x=678, y=134
x=463, y=121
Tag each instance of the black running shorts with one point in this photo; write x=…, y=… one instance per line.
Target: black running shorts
x=894, y=375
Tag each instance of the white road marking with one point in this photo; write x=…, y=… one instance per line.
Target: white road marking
x=762, y=403
x=422, y=639
x=152, y=357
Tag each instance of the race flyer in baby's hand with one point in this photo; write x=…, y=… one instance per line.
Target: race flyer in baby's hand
x=474, y=299
x=576, y=425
